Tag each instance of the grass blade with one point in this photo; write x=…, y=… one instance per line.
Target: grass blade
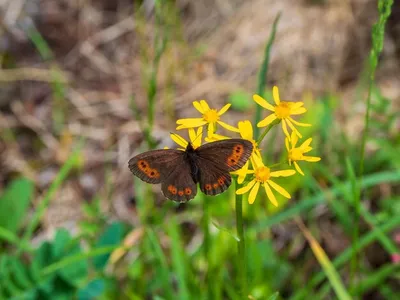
x=164, y=270
x=62, y=175
x=262, y=76
x=178, y=259
x=340, y=189
x=346, y=255
x=325, y=263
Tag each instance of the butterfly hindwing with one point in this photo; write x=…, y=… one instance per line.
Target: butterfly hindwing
x=179, y=185
x=214, y=178
x=156, y=165
x=231, y=154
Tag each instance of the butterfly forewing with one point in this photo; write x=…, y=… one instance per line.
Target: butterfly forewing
x=156, y=165
x=179, y=185
x=231, y=153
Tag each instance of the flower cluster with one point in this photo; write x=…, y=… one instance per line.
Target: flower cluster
x=254, y=174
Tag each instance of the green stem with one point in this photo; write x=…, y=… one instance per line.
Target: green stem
x=267, y=129
x=241, y=246
x=206, y=245
x=378, y=33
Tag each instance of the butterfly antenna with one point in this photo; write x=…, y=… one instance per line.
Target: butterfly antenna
x=198, y=134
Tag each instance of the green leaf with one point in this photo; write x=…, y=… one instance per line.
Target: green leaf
x=274, y=296
x=229, y=232
x=43, y=256
x=60, y=243
x=92, y=290
x=14, y=203
x=112, y=236
x=20, y=274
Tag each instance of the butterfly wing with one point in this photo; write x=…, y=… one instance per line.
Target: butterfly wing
x=179, y=185
x=231, y=153
x=214, y=178
x=217, y=159
x=155, y=166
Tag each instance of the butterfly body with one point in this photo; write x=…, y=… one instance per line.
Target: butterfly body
x=180, y=171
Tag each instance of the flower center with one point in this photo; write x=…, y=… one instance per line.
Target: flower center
x=262, y=174
x=282, y=111
x=211, y=116
x=296, y=154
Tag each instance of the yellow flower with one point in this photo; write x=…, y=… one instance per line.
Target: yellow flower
x=297, y=153
x=283, y=110
x=209, y=116
x=246, y=132
x=194, y=137
x=262, y=176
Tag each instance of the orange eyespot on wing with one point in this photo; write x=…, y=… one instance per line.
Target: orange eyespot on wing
x=232, y=153
x=179, y=185
x=172, y=189
x=236, y=155
x=153, y=166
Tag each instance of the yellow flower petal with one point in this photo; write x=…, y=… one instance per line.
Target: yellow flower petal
x=263, y=103
x=198, y=106
x=308, y=149
x=192, y=134
x=287, y=144
x=257, y=161
x=298, y=123
x=246, y=129
x=268, y=120
x=297, y=167
x=296, y=105
x=311, y=158
x=282, y=173
x=215, y=137
x=253, y=193
x=270, y=194
x=279, y=189
x=297, y=111
x=190, y=123
x=246, y=188
x=294, y=129
x=294, y=139
x=224, y=109
x=195, y=137
x=256, y=152
x=242, y=173
x=179, y=140
x=210, y=129
x=204, y=105
x=306, y=144
x=284, y=127
x=275, y=94
x=227, y=126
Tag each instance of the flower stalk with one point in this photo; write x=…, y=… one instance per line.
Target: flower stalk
x=241, y=263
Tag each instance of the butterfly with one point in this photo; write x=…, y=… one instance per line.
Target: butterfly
x=179, y=171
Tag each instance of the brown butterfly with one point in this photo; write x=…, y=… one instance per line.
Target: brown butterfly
x=179, y=171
